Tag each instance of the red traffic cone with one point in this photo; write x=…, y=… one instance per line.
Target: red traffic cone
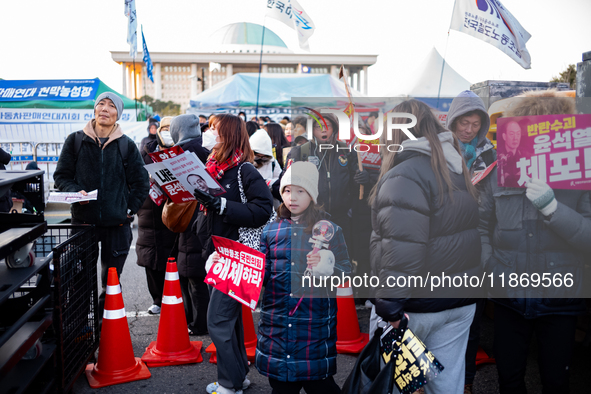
x=349, y=338
x=116, y=363
x=250, y=338
x=483, y=358
x=172, y=346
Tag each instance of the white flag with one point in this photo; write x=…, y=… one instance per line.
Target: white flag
x=131, y=28
x=293, y=15
x=491, y=22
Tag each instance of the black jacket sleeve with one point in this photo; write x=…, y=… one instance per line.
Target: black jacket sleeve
x=65, y=172
x=137, y=178
x=259, y=207
x=4, y=157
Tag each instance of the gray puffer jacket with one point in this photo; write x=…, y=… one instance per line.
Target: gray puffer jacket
x=517, y=238
x=465, y=102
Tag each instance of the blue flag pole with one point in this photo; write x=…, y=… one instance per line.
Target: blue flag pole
x=260, y=67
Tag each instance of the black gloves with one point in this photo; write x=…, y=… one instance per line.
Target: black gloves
x=211, y=203
x=361, y=177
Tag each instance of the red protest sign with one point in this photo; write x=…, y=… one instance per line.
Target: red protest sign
x=239, y=272
x=553, y=148
x=156, y=193
x=166, y=179
x=482, y=174
x=166, y=154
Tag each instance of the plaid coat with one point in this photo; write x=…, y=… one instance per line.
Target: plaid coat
x=302, y=346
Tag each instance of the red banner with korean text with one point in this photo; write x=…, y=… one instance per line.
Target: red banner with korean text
x=166, y=154
x=239, y=272
x=553, y=148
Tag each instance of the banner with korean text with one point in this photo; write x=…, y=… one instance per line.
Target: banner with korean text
x=490, y=21
x=553, y=148
x=239, y=272
x=52, y=90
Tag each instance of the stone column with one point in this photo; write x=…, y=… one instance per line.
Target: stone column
x=264, y=68
x=229, y=70
x=158, y=81
x=365, y=87
x=334, y=71
x=194, y=78
x=124, y=82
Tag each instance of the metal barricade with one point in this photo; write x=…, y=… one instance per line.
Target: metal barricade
x=75, y=297
x=46, y=154
x=22, y=153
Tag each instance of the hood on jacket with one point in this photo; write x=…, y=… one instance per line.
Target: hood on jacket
x=465, y=102
x=89, y=131
x=260, y=142
x=453, y=158
x=184, y=128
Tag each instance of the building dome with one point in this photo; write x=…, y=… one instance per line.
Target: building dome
x=246, y=38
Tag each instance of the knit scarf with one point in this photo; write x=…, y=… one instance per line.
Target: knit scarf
x=216, y=169
x=469, y=151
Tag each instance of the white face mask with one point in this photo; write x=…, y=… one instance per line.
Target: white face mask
x=166, y=138
x=209, y=140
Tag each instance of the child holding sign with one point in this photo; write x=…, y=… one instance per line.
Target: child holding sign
x=298, y=329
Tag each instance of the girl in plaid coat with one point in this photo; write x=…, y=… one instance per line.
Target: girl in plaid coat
x=298, y=328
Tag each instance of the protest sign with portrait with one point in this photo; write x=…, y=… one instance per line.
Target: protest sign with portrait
x=553, y=148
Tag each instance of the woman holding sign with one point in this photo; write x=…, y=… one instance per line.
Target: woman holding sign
x=230, y=158
x=186, y=133
x=424, y=219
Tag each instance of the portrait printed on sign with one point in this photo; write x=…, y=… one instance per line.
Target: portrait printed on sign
x=553, y=148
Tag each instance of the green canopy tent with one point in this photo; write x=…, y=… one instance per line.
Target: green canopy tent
x=128, y=103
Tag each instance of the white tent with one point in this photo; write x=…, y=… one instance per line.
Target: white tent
x=425, y=82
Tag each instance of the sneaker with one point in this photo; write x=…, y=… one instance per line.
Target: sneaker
x=154, y=310
x=368, y=304
x=216, y=388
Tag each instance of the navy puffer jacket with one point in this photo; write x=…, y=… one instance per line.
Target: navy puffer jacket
x=415, y=234
x=302, y=346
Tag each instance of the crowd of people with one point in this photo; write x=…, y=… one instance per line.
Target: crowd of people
x=420, y=212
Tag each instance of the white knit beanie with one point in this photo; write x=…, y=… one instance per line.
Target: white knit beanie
x=303, y=174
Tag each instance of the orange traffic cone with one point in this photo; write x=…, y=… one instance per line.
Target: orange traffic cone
x=116, y=363
x=349, y=337
x=250, y=338
x=172, y=346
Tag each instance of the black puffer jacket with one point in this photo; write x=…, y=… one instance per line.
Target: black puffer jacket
x=414, y=234
x=190, y=261
x=254, y=213
x=154, y=241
